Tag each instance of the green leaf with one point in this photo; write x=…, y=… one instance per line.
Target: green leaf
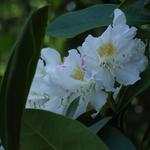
x=146, y=137
x=144, y=33
x=126, y=3
x=18, y=77
x=99, y=125
x=147, y=5
x=72, y=108
x=74, y=23
x=132, y=91
x=115, y=139
x=136, y=14
x=46, y=130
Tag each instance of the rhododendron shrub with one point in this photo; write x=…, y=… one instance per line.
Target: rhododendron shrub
x=77, y=101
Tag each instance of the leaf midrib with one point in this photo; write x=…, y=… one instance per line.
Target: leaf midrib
x=41, y=136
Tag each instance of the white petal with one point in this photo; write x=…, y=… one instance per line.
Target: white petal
x=51, y=56
x=81, y=107
x=65, y=81
x=39, y=85
x=89, y=46
x=40, y=69
x=127, y=75
x=119, y=18
x=73, y=59
x=123, y=32
x=125, y=50
x=91, y=65
x=139, y=58
x=55, y=106
x=107, y=35
x=116, y=92
x=39, y=93
x=98, y=100
x=140, y=63
x=106, y=78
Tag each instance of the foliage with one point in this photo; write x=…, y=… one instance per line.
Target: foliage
x=45, y=130
x=18, y=75
x=56, y=132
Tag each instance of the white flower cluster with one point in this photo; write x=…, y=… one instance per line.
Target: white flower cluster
x=89, y=73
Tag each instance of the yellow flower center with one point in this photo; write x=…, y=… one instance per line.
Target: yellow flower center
x=106, y=50
x=78, y=74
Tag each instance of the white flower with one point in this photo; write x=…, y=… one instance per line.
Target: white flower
x=44, y=93
x=56, y=86
x=115, y=55
x=75, y=81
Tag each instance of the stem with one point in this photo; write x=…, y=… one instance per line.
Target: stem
x=146, y=135
x=111, y=103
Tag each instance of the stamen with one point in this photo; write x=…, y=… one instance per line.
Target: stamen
x=78, y=74
x=107, y=50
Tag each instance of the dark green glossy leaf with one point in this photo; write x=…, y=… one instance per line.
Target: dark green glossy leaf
x=72, y=108
x=18, y=77
x=45, y=130
x=147, y=5
x=126, y=3
x=74, y=23
x=146, y=139
x=115, y=139
x=144, y=33
x=136, y=14
x=99, y=125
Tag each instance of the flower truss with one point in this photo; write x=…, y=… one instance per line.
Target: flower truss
x=115, y=56
x=56, y=85
x=89, y=73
